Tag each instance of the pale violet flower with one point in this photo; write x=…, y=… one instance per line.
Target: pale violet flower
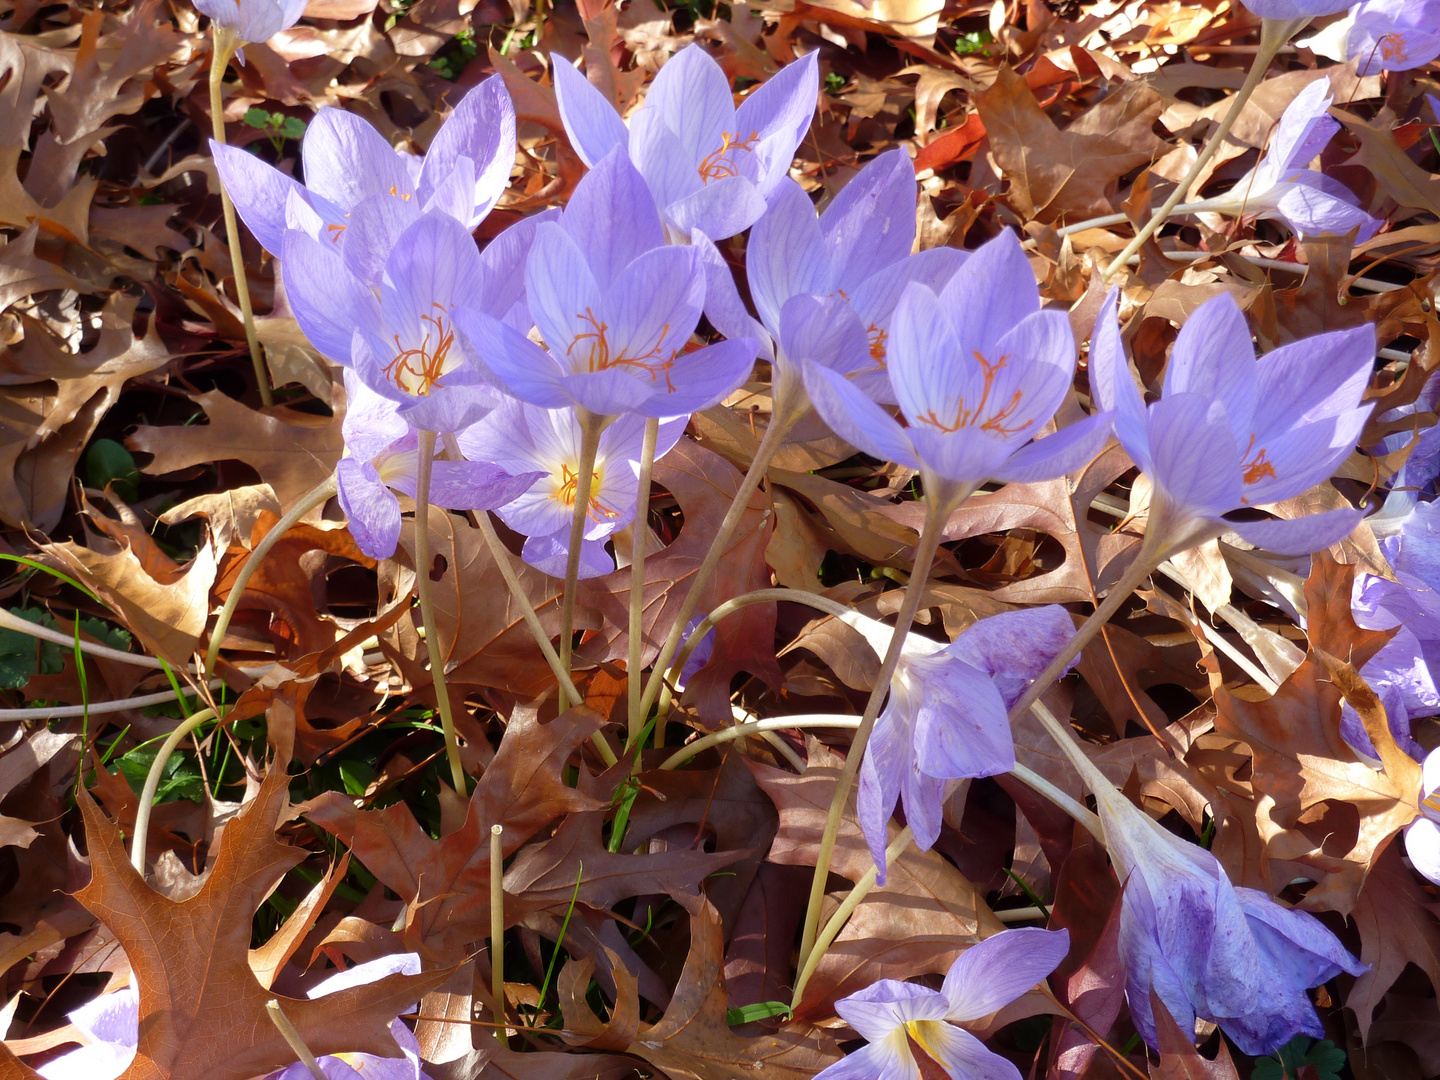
x=252, y=20
x=1383, y=35
x=986, y=977
x=111, y=1024
x=1230, y=432
x=1293, y=10
x=1422, y=836
x=978, y=372
x=710, y=165
x=1282, y=187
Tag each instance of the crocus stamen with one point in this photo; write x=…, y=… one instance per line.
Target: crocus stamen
x=971, y=417
x=878, y=341
x=565, y=493
x=417, y=370
x=336, y=230
x=1258, y=468
x=404, y=196
x=715, y=167
x=1392, y=46
x=654, y=363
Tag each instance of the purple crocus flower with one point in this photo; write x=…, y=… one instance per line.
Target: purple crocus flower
x=1281, y=187
x=360, y=194
x=543, y=446
x=382, y=455
x=1289, y=10
x=826, y=288
x=252, y=20
x=1229, y=433
x=977, y=371
x=404, y=343
x=616, y=307
x=1207, y=949
x=985, y=978
x=1394, y=35
x=111, y=1024
x=710, y=165
x=945, y=718
x=1422, y=836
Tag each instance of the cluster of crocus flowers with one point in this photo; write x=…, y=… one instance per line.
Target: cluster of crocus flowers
x=1382, y=35
x=1230, y=433
x=1282, y=186
x=252, y=20
x=892, y=1015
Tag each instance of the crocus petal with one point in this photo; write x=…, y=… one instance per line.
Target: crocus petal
x=927, y=371
x=371, y=422
x=1295, y=9
x=923, y=797
x=1297, y=944
x=449, y=408
x=1114, y=387
x=98, y=1061
x=259, y=192
x=889, y=1059
x=1060, y=454
x=658, y=155
x=482, y=129
x=648, y=313
x=857, y=419
x=882, y=775
x=328, y=301
x=721, y=208
x=786, y=254
x=347, y=160
x=517, y=363
x=1310, y=204
x=591, y=122
x=503, y=264
x=703, y=378
x=692, y=96
x=614, y=391
x=434, y=264
x=1014, y=647
x=371, y=508
x=826, y=331
x=960, y=722
x=870, y=224
x=1302, y=457
x=375, y=227
x=1298, y=536
x=990, y=975
x=1304, y=129
x=1422, y=844
x=1214, y=357
x=612, y=217
x=550, y=555
x=1036, y=363
x=992, y=293
x=1320, y=376
x=966, y=1056
x=368, y=972
x=723, y=306
x=564, y=295
x=1194, y=457
x=886, y=1004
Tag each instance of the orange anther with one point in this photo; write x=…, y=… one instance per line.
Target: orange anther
x=565, y=493
x=715, y=166
x=417, y=370
x=654, y=362
x=980, y=416
x=1253, y=471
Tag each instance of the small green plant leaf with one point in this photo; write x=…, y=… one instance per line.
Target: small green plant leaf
x=761, y=1010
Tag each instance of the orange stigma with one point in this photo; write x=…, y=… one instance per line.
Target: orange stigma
x=654, y=363
x=996, y=421
x=715, y=166
x=595, y=510
x=417, y=370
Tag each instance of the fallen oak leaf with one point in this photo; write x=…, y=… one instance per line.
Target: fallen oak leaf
x=202, y=1011
x=1398, y=926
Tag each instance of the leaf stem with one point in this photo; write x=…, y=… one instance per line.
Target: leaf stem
x=225, y=44
x=590, y=428
x=152, y=785
x=1273, y=34
x=308, y=502
x=936, y=512
x=635, y=687
x=424, y=594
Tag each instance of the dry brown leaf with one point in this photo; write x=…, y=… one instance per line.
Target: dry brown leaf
x=1398, y=925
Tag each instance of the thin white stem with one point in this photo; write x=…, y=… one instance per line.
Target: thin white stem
x=635, y=685
x=61, y=712
x=104, y=652
x=757, y=727
x=1217, y=639
x=590, y=428
x=1020, y=914
x=424, y=594
x=1119, y=219
x=152, y=784
x=292, y=1038
x=1030, y=778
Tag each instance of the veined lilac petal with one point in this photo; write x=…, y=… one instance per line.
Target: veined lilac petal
x=649, y=311
x=786, y=254
x=564, y=296
x=449, y=408
x=453, y=195
x=591, y=122
x=370, y=356
x=112, y=1018
x=1035, y=365
x=882, y=775
x=960, y=725
x=989, y=975
x=661, y=159
x=612, y=217
x=517, y=364
x=927, y=371
x=434, y=265
x=374, y=228
x=1298, y=945
x=481, y=129
x=692, y=95
x=347, y=160
x=886, y=1004
x=1147, y=965
x=924, y=798
x=703, y=378
x=870, y=224
x=966, y=1056
x=1014, y=647
x=615, y=391
x=98, y=1061
x=1214, y=357
x=1304, y=128
x=1195, y=461
x=993, y=292
x=1265, y=1031
x=857, y=419
x=371, y=508
x=550, y=554
x=966, y=456
x=1067, y=450
x=1422, y=844
x=875, y=298
x=721, y=208
x=1114, y=386
x=473, y=485
x=781, y=109
x=1295, y=9
x=1305, y=455
x=1382, y=45
x=371, y=422
x=825, y=331
x=888, y=1059
x=723, y=306
x=1298, y=536
x=1314, y=208
x=368, y=972
x=259, y=192
x=328, y=302
x=503, y=264
x=1320, y=376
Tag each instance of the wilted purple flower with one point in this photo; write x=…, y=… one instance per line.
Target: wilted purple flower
x=544, y=446
x=616, y=307
x=1281, y=187
x=945, y=718
x=252, y=20
x=360, y=194
x=711, y=166
x=1394, y=35
x=111, y=1023
x=404, y=344
x=1231, y=956
x=986, y=977
x=826, y=288
x=366, y=1066
x=1422, y=836
x=1230, y=433
x=382, y=455
x=977, y=371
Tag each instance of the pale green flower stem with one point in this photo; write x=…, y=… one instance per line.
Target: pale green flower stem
x=1273, y=34
x=640, y=529
x=152, y=785
x=590, y=428
x=225, y=44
